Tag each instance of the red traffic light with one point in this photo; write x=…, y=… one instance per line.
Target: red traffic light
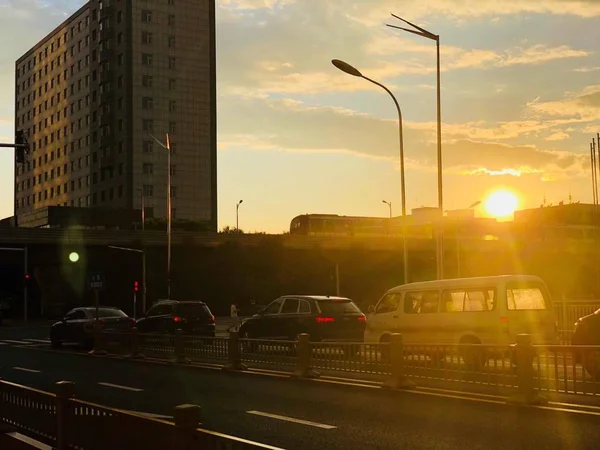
x=27, y=276
x=136, y=286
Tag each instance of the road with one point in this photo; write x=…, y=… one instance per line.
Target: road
x=296, y=414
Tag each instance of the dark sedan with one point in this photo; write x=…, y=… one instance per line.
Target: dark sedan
x=77, y=325
x=587, y=332
x=166, y=316
x=323, y=318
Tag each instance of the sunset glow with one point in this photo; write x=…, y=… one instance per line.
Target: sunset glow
x=501, y=204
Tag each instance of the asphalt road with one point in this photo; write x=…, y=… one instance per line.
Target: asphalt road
x=295, y=414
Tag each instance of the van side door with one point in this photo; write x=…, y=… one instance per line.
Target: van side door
x=386, y=317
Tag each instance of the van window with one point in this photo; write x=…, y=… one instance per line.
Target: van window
x=465, y=300
x=421, y=302
x=524, y=297
x=389, y=303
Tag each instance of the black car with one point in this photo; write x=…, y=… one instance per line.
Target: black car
x=587, y=332
x=324, y=318
x=169, y=315
x=77, y=325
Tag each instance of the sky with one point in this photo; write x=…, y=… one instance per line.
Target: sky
x=520, y=102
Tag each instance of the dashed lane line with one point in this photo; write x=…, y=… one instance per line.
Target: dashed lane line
x=23, y=369
x=292, y=419
x=118, y=386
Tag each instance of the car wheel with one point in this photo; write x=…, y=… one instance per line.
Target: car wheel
x=591, y=363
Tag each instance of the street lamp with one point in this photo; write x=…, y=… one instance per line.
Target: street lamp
x=167, y=147
x=434, y=37
x=143, y=218
x=473, y=205
x=350, y=70
x=237, y=215
x=73, y=257
x=390, y=206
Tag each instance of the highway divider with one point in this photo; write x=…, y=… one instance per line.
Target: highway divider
x=64, y=422
x=522, y=371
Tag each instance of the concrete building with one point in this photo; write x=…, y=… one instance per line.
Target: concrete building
x=581, y=214
x=89, y=94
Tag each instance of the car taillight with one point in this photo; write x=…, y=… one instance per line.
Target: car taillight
x=212, y=319
x=325, y=319
x=362, y=319
x=504, y=319
x=178, y=319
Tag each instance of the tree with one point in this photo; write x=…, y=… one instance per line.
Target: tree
x=231, y=230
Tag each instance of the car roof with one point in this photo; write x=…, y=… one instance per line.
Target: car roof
x=464, y=282
x=178, y=302
x=318, y=297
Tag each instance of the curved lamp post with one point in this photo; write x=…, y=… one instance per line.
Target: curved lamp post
x=237, y=215
x=350, y=70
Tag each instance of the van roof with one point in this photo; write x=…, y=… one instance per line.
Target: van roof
x=473, y=281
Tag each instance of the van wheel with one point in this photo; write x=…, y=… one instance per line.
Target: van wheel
x=473, y=357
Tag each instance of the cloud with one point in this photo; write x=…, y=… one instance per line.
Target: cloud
x=584, y=105
x=293, y=126
x=558, y=136
x=586, y=69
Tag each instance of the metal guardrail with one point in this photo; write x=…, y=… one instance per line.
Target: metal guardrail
x=63, y=422
x=553, y=368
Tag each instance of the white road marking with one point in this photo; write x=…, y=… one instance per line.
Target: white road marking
x=32, y=443
x=41, y=341
x=3, y=343
x=118, y=386
x=10, y=341
x=23, y=369
x=291, y=419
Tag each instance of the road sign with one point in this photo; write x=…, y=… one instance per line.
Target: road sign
x=96, y=280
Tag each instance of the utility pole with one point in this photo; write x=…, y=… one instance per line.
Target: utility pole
x=21, y=147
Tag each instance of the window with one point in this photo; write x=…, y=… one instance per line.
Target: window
x=481, y=299
x=304, y=307
x=172, y=64
x=148, y=190
x=148, y=146
x=421, y=302
x=172, y=127
x=172, y=106
x=523, y=296
x=147, y=59
x=173, y=191
x=148, y=168
x=273, y=308
x=171, y=20
x=172, y=84
x=147, y=102
x=146, y=37
x=334, y=307
x=146, y=16
x=290, y=306
x=147, y=80
x=120, y=59
x=389, y=303
x=160, y=310
x=148, y=124
x=173, y=170
x=171, y=41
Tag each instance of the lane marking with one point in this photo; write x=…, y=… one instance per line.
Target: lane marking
x=29, y=441
x=151, y=415
x=291, y=419
x=23, y=369
x=3, y=343
x=41, y=341
x=10, y=341
x=118, y=386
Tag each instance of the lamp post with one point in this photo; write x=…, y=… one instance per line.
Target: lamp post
x=434, y=37
x=389, y=205
x=477, y=203
x=143, y=218
x=167, y=147
x=237, y=215
x=350, y=70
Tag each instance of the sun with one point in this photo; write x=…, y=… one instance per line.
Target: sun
x=501, y=204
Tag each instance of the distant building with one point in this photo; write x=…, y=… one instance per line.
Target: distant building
x=89, y=94
x=582, y=214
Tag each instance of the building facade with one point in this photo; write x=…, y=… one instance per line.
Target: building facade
x=91, y=94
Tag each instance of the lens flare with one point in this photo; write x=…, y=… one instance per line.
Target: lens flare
x=501, y=204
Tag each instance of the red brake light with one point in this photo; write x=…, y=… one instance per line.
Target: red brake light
x=325, y=319
x=177, y=319
x=212, y=318
x=361, y=319
x=504, y=319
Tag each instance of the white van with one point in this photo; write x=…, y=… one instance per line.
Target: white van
x=484, y=310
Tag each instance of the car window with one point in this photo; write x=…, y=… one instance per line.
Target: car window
x=459, y=300
x=304, y=307
x=389, y=303
x=423, y=302
x=193, y=310
x=76, y=315
x=338, y=307
x=111, y=313
x=290, y=306
x=159, y=310
x=525, y=296
x=273, y=308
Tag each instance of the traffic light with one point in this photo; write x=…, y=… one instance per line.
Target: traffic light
x=136, y=286
x=26, y=279
x=21, y=146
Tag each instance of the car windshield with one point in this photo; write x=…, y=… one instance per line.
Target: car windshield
x=193, y=310
x=338, y=307
x=109, y=313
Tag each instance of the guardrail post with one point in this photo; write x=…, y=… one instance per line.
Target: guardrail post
x=65, y=391
x=187, y=419
x=98, y=339
x=234, y=353
x=180, y=348
x=526, y=393
x=397, y=378
x=304, y=353
x=135, y=345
